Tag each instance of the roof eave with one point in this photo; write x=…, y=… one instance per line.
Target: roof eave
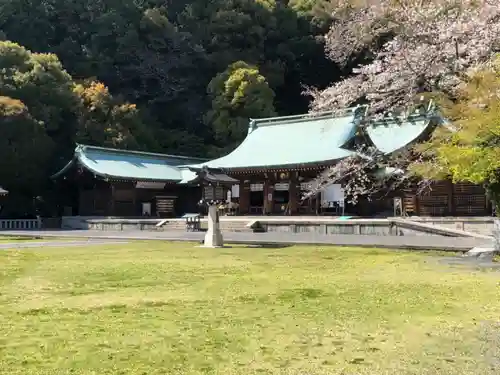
x=318, y=164
x=77, y=160
x=64, y=169
x=429, y=122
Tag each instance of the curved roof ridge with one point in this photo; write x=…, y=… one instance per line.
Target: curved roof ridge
x=82, y=148
x=284, y=120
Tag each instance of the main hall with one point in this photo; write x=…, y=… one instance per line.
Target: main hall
x=276, y=162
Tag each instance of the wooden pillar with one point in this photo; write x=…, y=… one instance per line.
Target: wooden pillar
x=244, y=200
x=317, y=207
x=112, y=200
x=137, y=211
x=451, y=198
x=293, y=195
x=414, y=201
x=268, y=196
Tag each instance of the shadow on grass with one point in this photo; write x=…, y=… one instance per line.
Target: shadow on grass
x=268, y=246
x=253, y=246
x=487, y=262
x=19, y=239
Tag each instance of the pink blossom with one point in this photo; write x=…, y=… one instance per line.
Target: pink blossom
x=417, y=46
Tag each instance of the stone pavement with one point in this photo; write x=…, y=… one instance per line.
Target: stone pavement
x=420, y=242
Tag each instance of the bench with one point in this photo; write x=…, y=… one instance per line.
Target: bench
x=193, y=222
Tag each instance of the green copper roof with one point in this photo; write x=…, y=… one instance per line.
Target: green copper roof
x=132, y=165
x=293, y=141
x=187, y=176
x=392, y=135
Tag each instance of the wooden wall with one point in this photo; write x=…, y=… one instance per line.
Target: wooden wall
x=447, y=199
x=125, y=200
x=101, y=198
x=268, y=179
x=94, y=200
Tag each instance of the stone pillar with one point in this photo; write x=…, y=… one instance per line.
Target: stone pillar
x=244, y=200
x=213, y=237
x=496, y=234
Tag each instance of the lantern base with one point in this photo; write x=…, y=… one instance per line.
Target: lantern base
x=213, y=237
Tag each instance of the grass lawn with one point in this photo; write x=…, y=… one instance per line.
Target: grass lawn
x=11, y=239
x=172, y=308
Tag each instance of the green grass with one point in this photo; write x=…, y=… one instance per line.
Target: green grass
x=13, y=239
x=4, y=239
x=173, y=308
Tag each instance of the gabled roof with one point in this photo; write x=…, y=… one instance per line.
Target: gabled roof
x=391, y=135
x=293, y=141
x=296, y=141
x=129, y=165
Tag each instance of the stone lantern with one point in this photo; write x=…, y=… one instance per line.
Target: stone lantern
x=210, y=178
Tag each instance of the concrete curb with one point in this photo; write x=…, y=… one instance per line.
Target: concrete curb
x=402, y=243
x=439, y=230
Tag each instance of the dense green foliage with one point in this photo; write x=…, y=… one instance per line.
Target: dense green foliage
x=238, y=94
x=148, y=74
x=471, y=152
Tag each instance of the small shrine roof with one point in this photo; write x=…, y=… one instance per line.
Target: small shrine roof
x=129, y=165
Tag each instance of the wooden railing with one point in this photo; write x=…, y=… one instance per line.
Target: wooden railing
x=20, y=224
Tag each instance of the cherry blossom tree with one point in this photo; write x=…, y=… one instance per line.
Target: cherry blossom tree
x=369, y=172
x=411, y=52
x=416, y=46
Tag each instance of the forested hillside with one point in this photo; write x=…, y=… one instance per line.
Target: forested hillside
x=161, y=75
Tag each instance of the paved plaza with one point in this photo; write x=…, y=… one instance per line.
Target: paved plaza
x=417, y=242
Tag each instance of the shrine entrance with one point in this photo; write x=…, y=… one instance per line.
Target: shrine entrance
x=256, y=198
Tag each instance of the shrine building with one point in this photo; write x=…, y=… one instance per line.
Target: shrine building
x=278, y=159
